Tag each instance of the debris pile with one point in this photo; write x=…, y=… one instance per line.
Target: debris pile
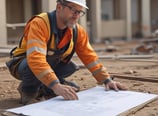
x=147, y=46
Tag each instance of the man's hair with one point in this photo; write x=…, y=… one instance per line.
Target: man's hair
x=62, y=1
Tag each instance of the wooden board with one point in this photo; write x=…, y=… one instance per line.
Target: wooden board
x=136, y=109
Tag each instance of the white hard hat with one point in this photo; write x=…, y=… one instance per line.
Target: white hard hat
x=79, y=2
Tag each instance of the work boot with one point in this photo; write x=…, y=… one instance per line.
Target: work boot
x=26, y=97
x=72, y=84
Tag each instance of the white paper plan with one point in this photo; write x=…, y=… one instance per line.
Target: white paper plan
x=92, y=102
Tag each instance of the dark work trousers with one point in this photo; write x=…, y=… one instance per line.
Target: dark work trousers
x=31, y=84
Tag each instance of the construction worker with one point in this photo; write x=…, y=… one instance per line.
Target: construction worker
x=49, y=49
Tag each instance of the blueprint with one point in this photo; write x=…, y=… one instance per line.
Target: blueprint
x=92, y=102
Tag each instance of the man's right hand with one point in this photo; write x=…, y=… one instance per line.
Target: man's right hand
x=65, y=91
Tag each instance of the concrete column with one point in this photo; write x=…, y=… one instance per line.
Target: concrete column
x=95, y=22
x=146, y=18
x=83, y=22
x=128, y=20
x=48, y=5
x=122, y=9
x=3, y=28
x=27, y=9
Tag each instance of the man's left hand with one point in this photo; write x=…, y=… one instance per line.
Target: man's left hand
x=115, y=86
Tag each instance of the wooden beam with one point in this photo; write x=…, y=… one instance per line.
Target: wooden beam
x=139, y=60
x=126, y=56
x=123, y=56
x=136, y=78
x=136, y=109
x=150, y=40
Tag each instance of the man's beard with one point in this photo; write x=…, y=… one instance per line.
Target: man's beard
x=69, y=24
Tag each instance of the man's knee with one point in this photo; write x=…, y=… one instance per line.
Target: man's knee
x=64, y=70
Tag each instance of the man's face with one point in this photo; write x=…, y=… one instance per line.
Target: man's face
x=70, y=13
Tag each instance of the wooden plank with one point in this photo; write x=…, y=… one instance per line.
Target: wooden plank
x=144, y=79
x=125, y=56
x=139, y=60
x=150, y=40
x=137, y=108
x=5, y=113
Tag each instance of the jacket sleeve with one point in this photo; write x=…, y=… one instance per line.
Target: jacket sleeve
x=36, y=38
x=89, y=57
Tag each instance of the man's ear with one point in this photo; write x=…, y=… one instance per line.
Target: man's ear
x=59, y=6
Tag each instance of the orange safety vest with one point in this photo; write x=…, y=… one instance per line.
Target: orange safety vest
x=65, y=56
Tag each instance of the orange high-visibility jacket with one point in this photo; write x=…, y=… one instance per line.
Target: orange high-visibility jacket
x=34, y=43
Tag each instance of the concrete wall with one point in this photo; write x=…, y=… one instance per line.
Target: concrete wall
x=3, y=31
x=113, y=28
x=154, y=14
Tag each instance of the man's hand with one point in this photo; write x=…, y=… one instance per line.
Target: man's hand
x=68, y=92
x=115, y=86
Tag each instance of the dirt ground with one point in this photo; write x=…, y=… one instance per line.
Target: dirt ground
x=9, y=97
